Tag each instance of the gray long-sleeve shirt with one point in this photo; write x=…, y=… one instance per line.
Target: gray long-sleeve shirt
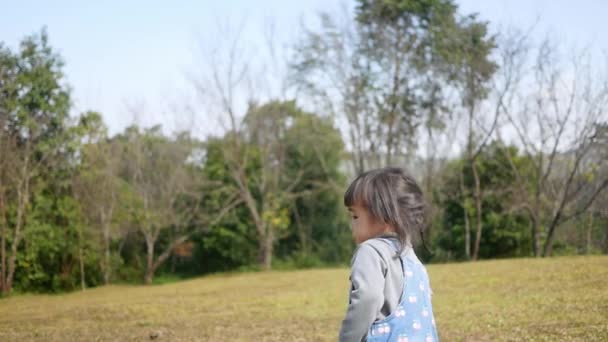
x=376, y=286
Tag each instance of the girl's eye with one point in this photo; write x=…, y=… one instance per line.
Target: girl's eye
x=355, y=217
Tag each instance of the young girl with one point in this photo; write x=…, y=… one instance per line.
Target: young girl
x=390, y=296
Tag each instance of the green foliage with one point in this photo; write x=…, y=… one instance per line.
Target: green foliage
x=34, y=104
x=49, y=260
x=78, y=183
x=395, y=12
x=506, y=233
x=34, y=93
x=231, y=242
x=318, y=223
x=310, y=226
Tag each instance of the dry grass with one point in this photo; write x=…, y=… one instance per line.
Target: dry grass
x=558, y=299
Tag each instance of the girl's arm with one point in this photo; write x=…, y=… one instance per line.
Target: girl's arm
x=366, y=294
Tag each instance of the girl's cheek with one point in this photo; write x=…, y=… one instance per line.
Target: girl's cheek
x=356, y=233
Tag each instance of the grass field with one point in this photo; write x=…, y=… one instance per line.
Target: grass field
x=557, y=299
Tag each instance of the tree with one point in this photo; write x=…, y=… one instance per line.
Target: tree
x=255, y=125
x=164, y=185
x=97, y=185
x=557, y=124
x=473, y=73
x=271, y=170
x=385, y=73
x=268, y=193
x=34, y=107
x=505, y=229
x=317, y=225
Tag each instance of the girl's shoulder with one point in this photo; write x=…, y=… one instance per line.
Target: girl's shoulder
x=388, y=247
x=387, y=242
x=384, y=248
x=381, y=243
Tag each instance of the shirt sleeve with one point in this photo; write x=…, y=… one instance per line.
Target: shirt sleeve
x=366, y=294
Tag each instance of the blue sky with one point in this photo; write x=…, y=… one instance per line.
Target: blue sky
x=125, y=53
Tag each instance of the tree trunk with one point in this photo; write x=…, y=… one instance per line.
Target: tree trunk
x=604, y=243
x=81, y=261
x=3, y=286
x=22, y=200
x=467, y=228
x=478, y=210
x=107, y=269
x=548, y=247
x=535, y=236
x=12, y=260
x=588, y=237
x=429, y=184
x=149, y=276
x=303, y=231
x=153, y=265
x=150, y=269
x=265, y=253
x=264, y=230
x=469, y=157
x=12, y=263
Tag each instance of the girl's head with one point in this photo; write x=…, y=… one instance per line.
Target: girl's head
x=385, y=200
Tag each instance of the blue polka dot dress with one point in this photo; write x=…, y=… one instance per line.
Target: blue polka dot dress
x=413, y=319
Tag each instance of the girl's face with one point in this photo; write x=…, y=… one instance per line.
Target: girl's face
x=363, y=225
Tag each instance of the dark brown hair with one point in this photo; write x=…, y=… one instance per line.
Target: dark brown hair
x=393, y=197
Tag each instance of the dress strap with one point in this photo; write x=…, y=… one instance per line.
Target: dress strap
x=405, y=269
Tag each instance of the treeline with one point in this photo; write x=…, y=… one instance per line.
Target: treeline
x=509, y=141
